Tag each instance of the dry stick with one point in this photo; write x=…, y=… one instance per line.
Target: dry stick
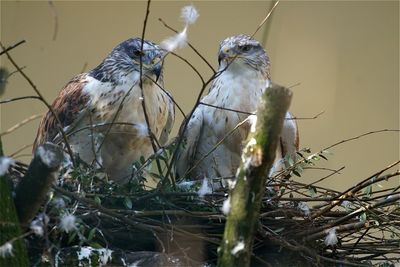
x=325, y=229
x=123, y=218
x=146, y=116
x=5, y=50
x=55, y=16
x=20, y=124
x=350, y=192
x=43, y=100
x=190, y=45
x=246, y=196
x=299, y=248
x=19, y=98
x=265, y=19
x=189, y=64
x=20, y=149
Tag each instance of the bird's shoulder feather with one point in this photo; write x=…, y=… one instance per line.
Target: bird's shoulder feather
x=69, y=103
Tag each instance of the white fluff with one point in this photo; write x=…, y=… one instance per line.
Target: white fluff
x=105, y=255
x=205, y=188
x=68, y=222
x=85, y=253
x=174, y=42
x=36, y=227
x=253, y=122
x=189, y=14
x=331, y=239
x=47, y=156
x=304, y=208
x=5, y=163
x=226, y=206
x=239, y=247
x=6, y=250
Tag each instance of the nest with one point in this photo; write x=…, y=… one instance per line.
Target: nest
x=299, y=224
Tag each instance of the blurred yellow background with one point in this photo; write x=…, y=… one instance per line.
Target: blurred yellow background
x=345, y=55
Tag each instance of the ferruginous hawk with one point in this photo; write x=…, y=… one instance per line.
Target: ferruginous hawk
x=111, y=92
x=211, y=149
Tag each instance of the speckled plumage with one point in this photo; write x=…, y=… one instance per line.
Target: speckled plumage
x=239, y=87
x=95, y=97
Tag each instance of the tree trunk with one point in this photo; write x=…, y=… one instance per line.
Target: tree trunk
x=245, y=198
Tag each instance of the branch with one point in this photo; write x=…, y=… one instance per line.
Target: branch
x=246, y=197
x=6, y=50
x=34, y=186
x=41, y=98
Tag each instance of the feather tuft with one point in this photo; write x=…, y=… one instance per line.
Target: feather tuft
x=189, y=14
x=177, y=41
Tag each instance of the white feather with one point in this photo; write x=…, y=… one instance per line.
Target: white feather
x=177, y=41
x=189, y=14
x=331, y=239
x=5, y=163
x=226, y=206
x=205, y=188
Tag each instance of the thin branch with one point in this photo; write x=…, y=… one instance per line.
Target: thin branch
x=6, y=50
x=265, y=19
x=359, y=136
x=20, y=124
x=60, y=128
x=5, y=101
x=55, y=16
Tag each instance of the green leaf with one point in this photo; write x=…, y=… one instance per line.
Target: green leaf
x=128, y=202
x=322, y=156
x=97, y=200
x=363, y=217
x=295, y=172
x=313, y=191
x=92, y=234
x=368, y=191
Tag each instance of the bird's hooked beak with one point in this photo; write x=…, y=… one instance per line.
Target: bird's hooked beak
x=153, y=64
x=226, y=53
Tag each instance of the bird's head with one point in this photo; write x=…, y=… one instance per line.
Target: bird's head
x=242, y=50
x=125, y=59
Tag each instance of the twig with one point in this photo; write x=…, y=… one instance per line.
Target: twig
x=5, y=101
x=349, y=192
x=20, y=149
x=359, y=136
x=146, y=116
x=55, y=16
x=20, y=124
x=6, y=50
x=266, y=18
x=41, y=98
x=306, y=118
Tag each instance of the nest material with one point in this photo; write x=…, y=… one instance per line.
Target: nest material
x=293, y=228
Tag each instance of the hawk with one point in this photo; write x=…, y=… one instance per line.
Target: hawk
x=212, y=147
x=101, y=111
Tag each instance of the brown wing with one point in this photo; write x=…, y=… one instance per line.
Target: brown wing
x=67, y=106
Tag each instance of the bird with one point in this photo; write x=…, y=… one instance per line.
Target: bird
x=220, y=124
x=101, y=110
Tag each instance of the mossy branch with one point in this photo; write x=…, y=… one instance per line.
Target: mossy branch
x=9, y=225
x=34, y=186
x=245, y=198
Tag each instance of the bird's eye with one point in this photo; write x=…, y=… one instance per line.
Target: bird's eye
x=138, y=53
x=244, y=48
